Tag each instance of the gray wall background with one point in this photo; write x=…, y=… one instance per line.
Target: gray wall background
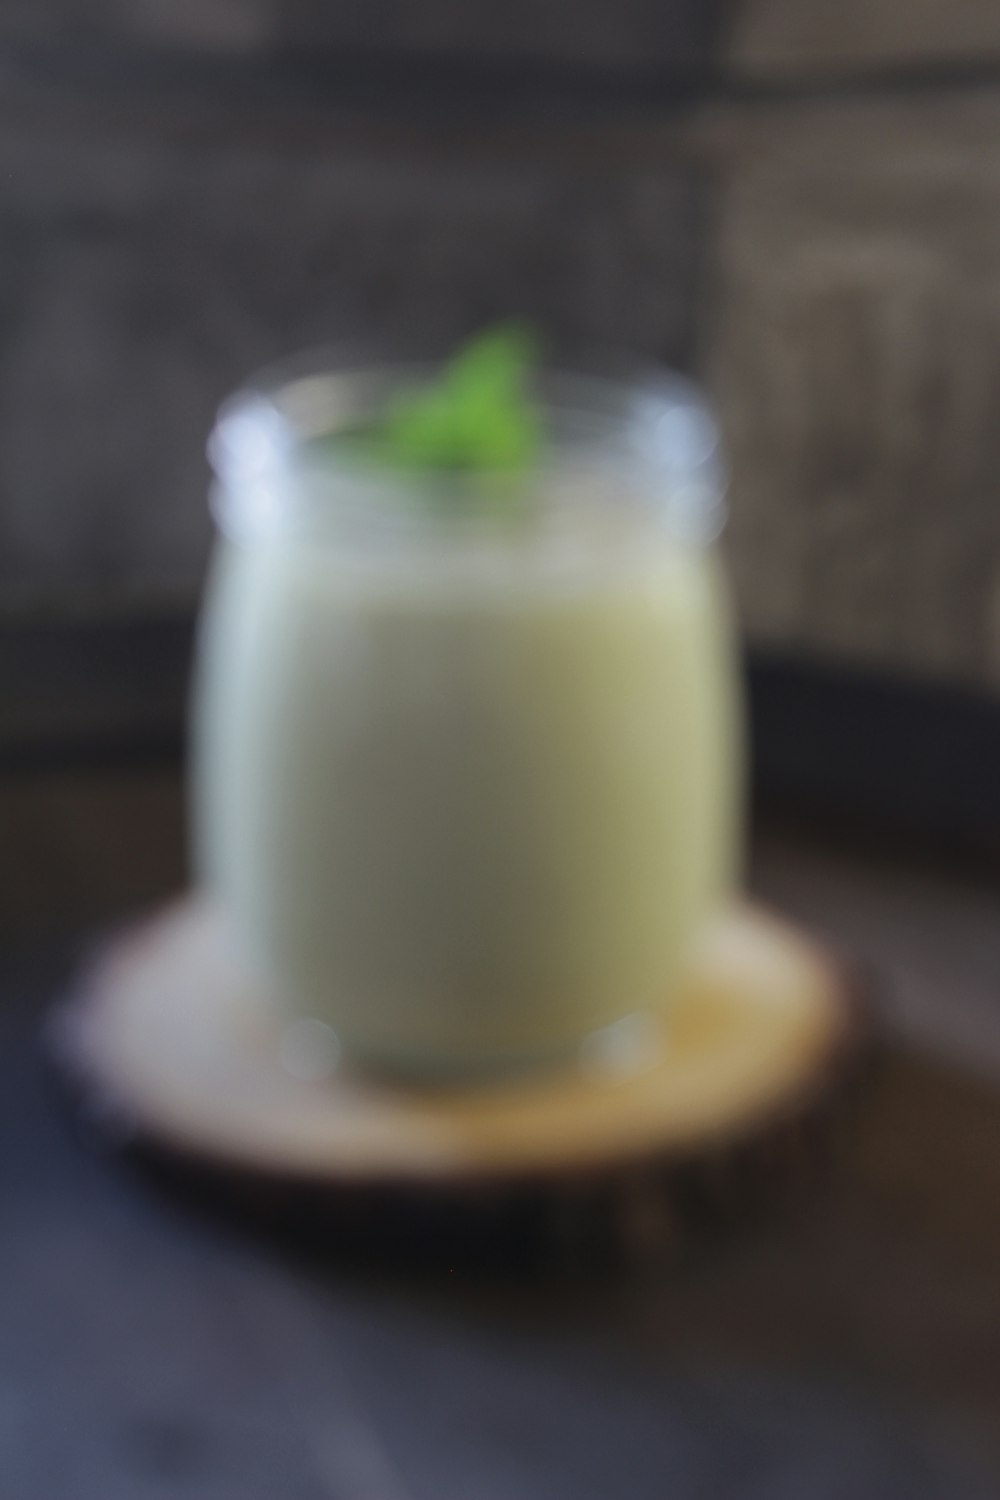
x=798, y=200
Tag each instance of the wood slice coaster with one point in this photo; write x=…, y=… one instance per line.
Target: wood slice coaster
x=176, y=1055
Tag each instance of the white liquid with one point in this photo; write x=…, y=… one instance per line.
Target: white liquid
x=465, y=809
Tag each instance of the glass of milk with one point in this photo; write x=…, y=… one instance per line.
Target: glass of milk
x=466, y=750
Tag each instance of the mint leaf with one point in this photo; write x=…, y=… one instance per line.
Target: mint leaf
x=495, y=364
x=478, y=417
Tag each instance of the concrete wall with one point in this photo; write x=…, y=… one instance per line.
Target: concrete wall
x=800, y=200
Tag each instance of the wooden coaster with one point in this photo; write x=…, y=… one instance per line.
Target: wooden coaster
x=176, y=1053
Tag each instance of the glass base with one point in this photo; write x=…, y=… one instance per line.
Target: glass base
x=310, y=1050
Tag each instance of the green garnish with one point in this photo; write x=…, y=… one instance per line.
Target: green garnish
x=478, y=417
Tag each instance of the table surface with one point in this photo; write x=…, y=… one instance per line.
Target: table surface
x=848, y=1347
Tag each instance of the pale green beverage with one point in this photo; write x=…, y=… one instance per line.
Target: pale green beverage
x=467, y=784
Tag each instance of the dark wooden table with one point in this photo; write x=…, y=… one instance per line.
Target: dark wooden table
x=850, y=1347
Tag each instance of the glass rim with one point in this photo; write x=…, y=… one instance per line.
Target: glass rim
x=646, y=424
